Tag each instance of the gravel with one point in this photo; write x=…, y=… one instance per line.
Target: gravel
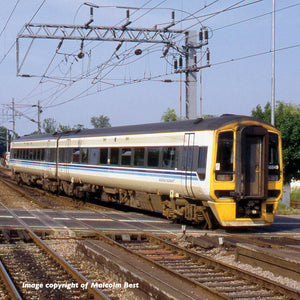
x=228, y=257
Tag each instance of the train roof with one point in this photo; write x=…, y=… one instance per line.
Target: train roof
x=185, y=125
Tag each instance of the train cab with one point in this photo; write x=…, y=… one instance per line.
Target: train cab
x=246, y=174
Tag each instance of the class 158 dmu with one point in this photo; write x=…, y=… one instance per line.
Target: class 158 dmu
x=226, y=169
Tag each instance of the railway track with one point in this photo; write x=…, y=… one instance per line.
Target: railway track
x=38, y=272
x=210, y=275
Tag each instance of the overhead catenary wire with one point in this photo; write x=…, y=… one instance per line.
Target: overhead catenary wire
x=10, y=16
x=114, y=63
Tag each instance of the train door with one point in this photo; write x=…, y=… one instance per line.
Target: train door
x=253, y=166
x=188, y=154
x=253, y=163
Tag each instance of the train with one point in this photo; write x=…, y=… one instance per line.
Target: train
x=225, y=171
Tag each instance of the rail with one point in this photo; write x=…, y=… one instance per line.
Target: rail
x=56, y=257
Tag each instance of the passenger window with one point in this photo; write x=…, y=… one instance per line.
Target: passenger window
x=94, y=156
x=202, y=162
x=169, y=157
x=38, y=154
x=139, y=157
x=42, y=154
x=52, y=155
x=61, y=155
x=84, y=155
x=153, y=157
x=76, y=156
x=126, y=156
x=103, y=156
x=26, y=154
x=114, y=156
x=224, y=164
x=30, y=154
x=273, y=165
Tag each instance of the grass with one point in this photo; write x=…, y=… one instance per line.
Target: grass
x=295, y=195
x=282, y=209
x=286, y=210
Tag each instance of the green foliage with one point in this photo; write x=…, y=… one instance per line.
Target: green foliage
x=63, y=128
x=49, y=125
x=295, y=195
x=2, y=140
x=170, y=116
x=287, y=120
x=78, y=126
x=100, y=122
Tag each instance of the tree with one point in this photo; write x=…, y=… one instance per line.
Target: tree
x=49, y=125
x=100, y=122
x=169, y=115
x=287, y=120
x=63, y=128
x=78, y=126
x=2, y=140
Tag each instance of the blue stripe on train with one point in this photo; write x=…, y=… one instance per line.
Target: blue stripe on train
x=109, y=169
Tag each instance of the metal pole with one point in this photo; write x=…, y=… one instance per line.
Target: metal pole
x=273, y=67
x=6, y=140
x=39, y=117
x=191, y=76
x=13, y=115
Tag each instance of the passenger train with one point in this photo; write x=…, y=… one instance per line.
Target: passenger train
x=226, y=169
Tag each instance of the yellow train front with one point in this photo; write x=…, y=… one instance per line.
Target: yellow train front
x=246, y=173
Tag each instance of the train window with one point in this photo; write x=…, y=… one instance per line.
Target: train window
x=61, y=155
x=273, y=166
x=38, y=154
x=42, y=154
x=65, y=155
x=52, y=155
x=153, y=157
x=126, y=156
x=75, y=155
x=94, y=156
x=30, y=154
x=202, y=162
x=114, y=156
x=26, y=154
x=103, y=156
x=84, y=153
x=68, y=155
x=139, y=157
x=168, y=157
x=224, y=165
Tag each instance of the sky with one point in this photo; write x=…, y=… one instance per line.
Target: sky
x=137, y=89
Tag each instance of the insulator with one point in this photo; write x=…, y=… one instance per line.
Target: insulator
x=207, y=55
x=175, y=64
x=127, y=13
x=173, y=15
x=180, y=62
x=206, y=34
x=201, y=35
x=138, y=51
x=195, y=59
x=80, y=55
x=119, y=46
x=91, y=11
